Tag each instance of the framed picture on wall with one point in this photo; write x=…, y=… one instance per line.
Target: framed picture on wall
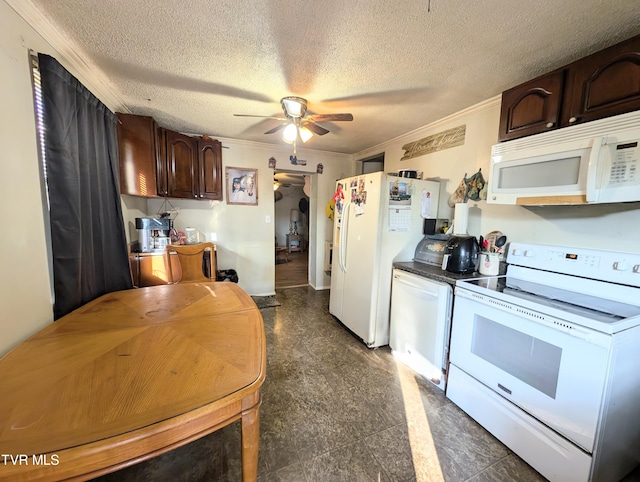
x=242, y=186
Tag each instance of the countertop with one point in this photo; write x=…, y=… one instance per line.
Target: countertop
x=437, y=273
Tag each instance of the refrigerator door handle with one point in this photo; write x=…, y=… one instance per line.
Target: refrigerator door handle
x=343, y=237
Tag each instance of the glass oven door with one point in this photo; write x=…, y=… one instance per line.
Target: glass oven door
x=552, y=369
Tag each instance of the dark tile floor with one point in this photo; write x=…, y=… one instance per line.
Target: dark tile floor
x=334, y=410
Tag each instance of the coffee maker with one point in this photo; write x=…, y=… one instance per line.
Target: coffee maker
x=153, y=234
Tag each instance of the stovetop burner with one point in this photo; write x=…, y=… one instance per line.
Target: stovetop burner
x=567, y=293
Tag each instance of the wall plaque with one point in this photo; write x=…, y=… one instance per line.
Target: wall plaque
x=437, y=142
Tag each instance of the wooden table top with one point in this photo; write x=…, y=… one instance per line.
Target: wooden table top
x=127, y=362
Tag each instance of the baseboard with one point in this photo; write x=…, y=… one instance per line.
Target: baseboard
x=320, y=288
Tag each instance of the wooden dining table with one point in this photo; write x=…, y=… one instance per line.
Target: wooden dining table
x=129, y=376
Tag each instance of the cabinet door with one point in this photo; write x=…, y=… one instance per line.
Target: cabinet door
x=162, y=174
x=532, y=107
x=209, y=169
x=604, y=84
x=138, y=149
x=182, y=160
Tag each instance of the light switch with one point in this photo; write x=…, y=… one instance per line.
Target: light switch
x=267, y=219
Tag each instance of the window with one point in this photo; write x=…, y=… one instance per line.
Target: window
x=40, y=126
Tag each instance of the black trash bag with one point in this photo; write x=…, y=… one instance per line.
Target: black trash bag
x=227, y=275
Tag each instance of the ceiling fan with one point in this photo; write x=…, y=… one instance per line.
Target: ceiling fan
x=296, y=124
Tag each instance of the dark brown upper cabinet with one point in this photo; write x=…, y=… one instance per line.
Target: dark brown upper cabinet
x=160, y=162
x=138, y=144
x=604, y=84
x=600, y=85
x=181, y=165
x=193, y=166
x=210, y=169
x=532, y=107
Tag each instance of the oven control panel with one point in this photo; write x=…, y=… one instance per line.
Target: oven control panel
x=616, y=267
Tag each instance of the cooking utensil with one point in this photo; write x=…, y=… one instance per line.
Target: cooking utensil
x=500, y=242
x=490, y=239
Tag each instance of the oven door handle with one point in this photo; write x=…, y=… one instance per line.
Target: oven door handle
x=538, y=317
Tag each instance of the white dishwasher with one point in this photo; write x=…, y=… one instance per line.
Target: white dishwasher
x=420, y=324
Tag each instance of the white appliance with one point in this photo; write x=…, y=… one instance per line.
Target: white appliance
x=378, y=220
x=546, y=359
x=420, y=324
x=595, y=162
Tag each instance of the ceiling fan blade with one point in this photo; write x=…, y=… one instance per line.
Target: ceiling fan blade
x=261, y=116
x=315, y=128
x=275, y=129
x=330, y=117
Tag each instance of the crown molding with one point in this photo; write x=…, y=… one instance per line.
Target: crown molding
x=429, y=128
x=70, y=54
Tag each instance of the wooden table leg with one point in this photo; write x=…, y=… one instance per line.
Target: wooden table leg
x=250, y=443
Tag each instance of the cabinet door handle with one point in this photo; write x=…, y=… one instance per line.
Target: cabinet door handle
x=549, y=124
x=573, y=119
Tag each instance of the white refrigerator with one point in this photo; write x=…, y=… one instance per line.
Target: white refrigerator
x=378, y=220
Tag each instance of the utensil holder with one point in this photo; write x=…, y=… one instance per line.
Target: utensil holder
x=489, y=263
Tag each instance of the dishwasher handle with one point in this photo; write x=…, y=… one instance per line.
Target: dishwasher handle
x=418, y=286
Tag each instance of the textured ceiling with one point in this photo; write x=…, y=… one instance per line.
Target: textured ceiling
x=394, y=65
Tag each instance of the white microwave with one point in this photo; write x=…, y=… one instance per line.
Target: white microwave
x=596, y=162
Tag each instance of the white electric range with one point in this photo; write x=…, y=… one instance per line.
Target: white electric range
x=546, y=359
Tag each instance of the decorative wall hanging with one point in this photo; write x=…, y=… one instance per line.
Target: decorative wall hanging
x=436, y=142
x=297, y=162
x=242, y=186
x=473, y=188
x=272, y=162
x=475, y=184
x=319, y=168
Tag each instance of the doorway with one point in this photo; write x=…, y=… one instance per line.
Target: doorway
x=291, y=219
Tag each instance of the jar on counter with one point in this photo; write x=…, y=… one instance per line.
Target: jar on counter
x=191, y=235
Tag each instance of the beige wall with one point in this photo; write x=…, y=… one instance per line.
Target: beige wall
x=613, y=226
x=244, y=237
x=25, y=290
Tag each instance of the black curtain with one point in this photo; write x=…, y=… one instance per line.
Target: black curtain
x=81, y=154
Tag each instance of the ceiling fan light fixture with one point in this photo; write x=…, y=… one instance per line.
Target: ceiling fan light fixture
x=294, y=106
x=305, y=134
x=276, y=185
x=290, y=133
